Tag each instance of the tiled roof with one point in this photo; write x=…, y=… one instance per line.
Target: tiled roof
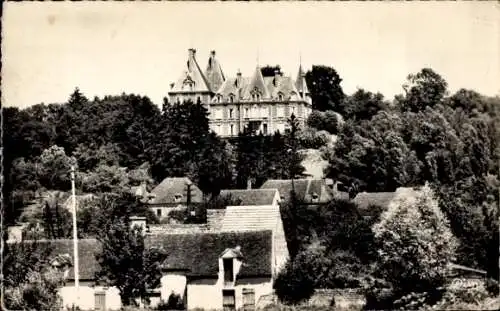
x=87, y=249
x=213, y=73
x=366, y=199
x=243, y=218
x=382, y=199
x=166, y=191
x=304, y=188
x=194, y=74
x=250, y=196
x=199, y=253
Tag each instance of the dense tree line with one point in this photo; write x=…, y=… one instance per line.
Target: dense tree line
x=427, y=135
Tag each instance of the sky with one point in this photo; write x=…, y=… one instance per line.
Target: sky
x=106, y=48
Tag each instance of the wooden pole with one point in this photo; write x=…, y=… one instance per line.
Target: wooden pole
x=75, y=236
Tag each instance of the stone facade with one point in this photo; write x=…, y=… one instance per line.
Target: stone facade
x=263, y=104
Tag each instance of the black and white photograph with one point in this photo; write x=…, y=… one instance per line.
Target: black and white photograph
x=248, y=156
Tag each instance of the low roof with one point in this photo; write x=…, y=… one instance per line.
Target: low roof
x=241, y=218
x=382, y=199
x=87, y=249
x=250, y=196
x=304, y=188
x=199, y=253
x=166, y=191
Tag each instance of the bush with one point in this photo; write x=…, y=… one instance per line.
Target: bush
x=294, y=284
x=311, y=138
x=415, y=246
x=327, y=121
x=175, y=302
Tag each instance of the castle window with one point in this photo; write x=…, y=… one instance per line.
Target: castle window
x=246, y=113
x=232, y=129
x=280, y=97
x=231, y=98
x=280, y=111
x=230, y=113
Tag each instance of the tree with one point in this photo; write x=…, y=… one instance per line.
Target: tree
x=105, y=179
x=423, y=89
x=294, y=283
x=54, y=168
x=125, y=262
x=324, y=84
x=97, y=216
x=269, y=71
x=363, y=105
x=29, y=282
x=415, y=244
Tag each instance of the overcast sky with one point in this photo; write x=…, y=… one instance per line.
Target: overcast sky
x=106, y=48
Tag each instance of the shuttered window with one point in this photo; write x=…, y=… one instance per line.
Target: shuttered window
x=228, y=300
x=248, y=299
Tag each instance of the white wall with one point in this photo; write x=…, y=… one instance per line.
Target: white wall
x=207, y=293
x=86, y=299
x=172, y=282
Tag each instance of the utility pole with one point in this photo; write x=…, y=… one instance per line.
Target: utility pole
x=75, y=236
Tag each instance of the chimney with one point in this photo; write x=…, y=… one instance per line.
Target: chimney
x=249, y=183
x=238, y=78
x=277, y=77
x=192, y=54
x=212, y=53
x=138, y=221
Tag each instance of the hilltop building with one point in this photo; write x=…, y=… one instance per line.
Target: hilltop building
x=260, y=103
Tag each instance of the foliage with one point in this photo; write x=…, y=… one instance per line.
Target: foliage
x=126, y=263
x=423, y=89
x=363, y=105
x=269, y=71
x=38, y=292
x=323, y=83
x=324, y=121
x=29, y=282
x=310, y=138
x=415, y=244
x=97, y=216
x=294, y=284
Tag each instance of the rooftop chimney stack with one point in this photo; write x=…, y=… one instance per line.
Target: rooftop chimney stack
x=277, y=76
x=212, y=53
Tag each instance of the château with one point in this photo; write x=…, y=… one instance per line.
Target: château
x=261, y=104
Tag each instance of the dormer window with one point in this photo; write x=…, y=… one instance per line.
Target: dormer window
x=231, y=98
x=280, y=97
x=228, y=269
x=315, y=196
x=219, y=98
x=177, y=197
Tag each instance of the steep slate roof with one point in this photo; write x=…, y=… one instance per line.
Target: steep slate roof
x=87, y=249
x=199, y=253
x=248, y=218
x=194, y=74
x=213, y=73
x=165, y=192
x=251, y=196
x=283, y=85
x=257, y=82
x=304, y=188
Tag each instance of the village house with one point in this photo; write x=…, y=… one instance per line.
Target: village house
x=212, y=270
x=306, y=190
x=261, y=103
x=173, y=193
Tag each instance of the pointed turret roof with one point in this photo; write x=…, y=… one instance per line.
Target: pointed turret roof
x=213, y=73
x=257, y=82
x=300, y=83
x=192, y=74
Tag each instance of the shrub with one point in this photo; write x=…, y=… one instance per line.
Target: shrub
x=294, y=283
x=415, y=246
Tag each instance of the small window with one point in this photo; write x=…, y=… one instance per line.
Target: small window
x=228, y=301
x=231, y=98
x=246, y=112
x=264, y=128
x=228, y=269
x=158, y=212
x=178, y=197
x=248, y=299
x=280, y=97
x=230, y=113
x=232, y=129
